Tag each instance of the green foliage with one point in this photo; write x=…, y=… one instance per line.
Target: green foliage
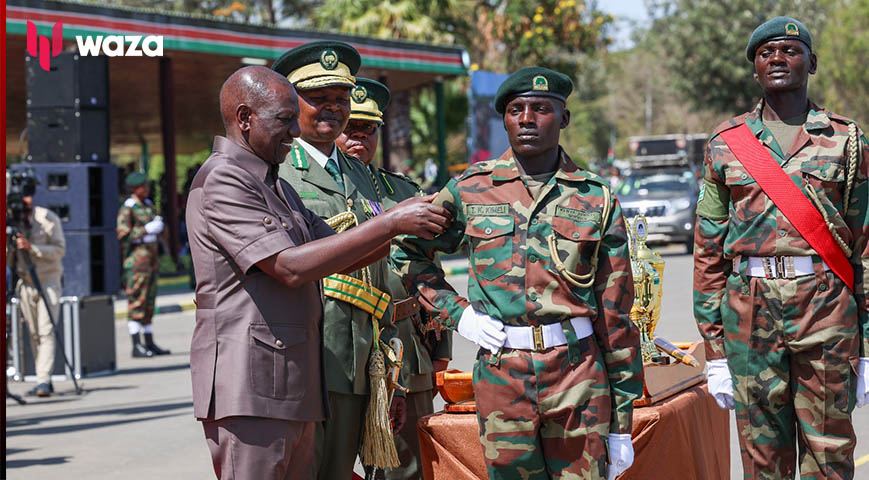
x=843, y=59
x=424, y=121
x=417, y=20
x=703, y=43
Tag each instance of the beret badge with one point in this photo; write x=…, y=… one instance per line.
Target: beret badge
x=792, y=29
x=359, y=94
x=540, y=84
x=329, y=59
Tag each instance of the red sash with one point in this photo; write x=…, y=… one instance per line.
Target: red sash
x=788, y=198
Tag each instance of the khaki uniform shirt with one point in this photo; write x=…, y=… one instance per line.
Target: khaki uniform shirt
x=256, y=348
x=347, y=332
x=47, y=247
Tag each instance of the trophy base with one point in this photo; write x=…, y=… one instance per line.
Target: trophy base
x=663, y=381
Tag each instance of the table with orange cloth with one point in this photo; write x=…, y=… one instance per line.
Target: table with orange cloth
x=683, y=437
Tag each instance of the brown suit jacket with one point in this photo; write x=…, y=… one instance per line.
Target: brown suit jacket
x=256, y=348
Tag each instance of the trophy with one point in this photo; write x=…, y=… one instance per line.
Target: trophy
x=648, y=270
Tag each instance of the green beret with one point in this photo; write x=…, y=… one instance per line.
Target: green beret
x=320, y=64
x=533, y=82
x=779, y=28
x=136, y=179
x=369, y=100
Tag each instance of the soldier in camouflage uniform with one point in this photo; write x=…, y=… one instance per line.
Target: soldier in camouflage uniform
x=427, y=349
x=550, y=291
x=138, y=227
x=786, y=340
x=330, y=183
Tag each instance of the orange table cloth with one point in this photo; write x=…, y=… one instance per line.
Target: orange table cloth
x=683, y=437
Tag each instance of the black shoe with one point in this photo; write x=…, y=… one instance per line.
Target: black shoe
x=149, y=342
x=139, y=350
x=41, y=390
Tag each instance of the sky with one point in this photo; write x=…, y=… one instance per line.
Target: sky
x=628, y=13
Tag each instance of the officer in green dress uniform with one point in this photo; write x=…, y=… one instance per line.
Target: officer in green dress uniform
x=427, y=349
x=331, y=183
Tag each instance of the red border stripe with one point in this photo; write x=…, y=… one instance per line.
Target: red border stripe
x=210, y=34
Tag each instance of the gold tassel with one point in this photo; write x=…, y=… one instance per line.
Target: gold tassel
x=378, y=446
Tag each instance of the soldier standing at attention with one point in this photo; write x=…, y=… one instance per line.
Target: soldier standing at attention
x=427, y=350
x=332, y=183
x=780, y=268
x=138, y=227
x=550, y=290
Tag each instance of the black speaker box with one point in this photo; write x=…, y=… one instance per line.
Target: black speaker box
x=92, y=264
x=72, y=82
x=83, y=195
x=63, y=134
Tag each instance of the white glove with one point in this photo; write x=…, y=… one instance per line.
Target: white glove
x=621, y=454
x=482, y=329
x=720, y=383
x=154, y=226
x=863, y=382
x=149, y=238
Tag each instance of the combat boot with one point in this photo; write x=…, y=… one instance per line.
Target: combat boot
x=139, y=350
x=149, y=342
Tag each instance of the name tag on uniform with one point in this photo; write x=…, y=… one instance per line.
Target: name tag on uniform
x=309, y=194
x=488, y=210
x=577, y=215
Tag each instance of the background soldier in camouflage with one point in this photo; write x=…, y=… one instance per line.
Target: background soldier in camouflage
x=792, y=346
x=426, y=350
x=138, y=227
x=550, y=291
x=330, y=182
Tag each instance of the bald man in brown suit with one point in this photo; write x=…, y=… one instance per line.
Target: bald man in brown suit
x=258, y=256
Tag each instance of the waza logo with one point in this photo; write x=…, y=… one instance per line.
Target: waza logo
x=37, y=45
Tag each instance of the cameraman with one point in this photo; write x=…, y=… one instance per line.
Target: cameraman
x=41, y=235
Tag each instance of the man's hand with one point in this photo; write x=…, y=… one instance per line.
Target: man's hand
x=22, y=243
x=482, y=329
x=154, y=226
x=863, y=382
x=417, y=216
x=621, y=454
x=720, y=383
x=398, y=413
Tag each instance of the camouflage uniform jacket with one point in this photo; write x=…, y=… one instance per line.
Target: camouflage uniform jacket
x=347, y=330
x=132, y=217
x=512, y=277
x=393, y=189
x=737, y=219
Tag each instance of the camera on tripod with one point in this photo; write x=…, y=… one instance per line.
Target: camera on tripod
x=19, y=184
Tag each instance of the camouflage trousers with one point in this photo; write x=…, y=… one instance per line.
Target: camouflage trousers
x=542, y=417
x=140, y=269
x=792, y=349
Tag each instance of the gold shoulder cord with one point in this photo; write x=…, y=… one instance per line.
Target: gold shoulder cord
x=853, y=142
x=586, y=280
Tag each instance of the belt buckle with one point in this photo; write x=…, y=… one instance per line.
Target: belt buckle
x=789, y=268
x=537, y=333
x=769, y=266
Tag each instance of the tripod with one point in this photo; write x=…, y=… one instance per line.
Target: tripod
x=13, y=232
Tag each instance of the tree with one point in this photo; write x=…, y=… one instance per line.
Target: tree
x=843, y=59
x=704, y=46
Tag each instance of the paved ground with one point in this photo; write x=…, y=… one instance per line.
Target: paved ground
x=138, y=423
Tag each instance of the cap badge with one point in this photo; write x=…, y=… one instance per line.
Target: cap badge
x=329, y=59
x=540, y=84
x=792, y=29
x=359, y=94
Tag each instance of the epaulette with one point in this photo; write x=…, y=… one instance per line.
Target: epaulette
x=385, y=174
x=727, y=125
x=477, y=168
x=298, y=157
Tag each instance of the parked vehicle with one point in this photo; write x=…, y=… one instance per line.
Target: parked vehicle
x=668, y=199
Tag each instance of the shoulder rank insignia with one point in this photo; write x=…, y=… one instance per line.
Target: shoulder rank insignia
x=299, y=158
